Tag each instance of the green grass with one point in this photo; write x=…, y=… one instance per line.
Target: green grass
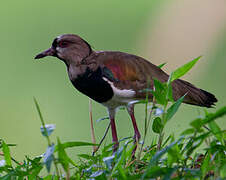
x=197, y=153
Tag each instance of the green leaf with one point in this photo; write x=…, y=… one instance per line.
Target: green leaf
x=169, y=173
x=75, y=144
x=223, y=171
x=170, y=92
x=188, y=131
x=62, y=156
x=49, y=177
x=174, y=155
x=158, y=85
x=195, y=142
x=212, y=116
x=86, y=156
x=182, y=70
x=160, y=92
x=167, y=139
x=6, y=152
x=173, y=108
x=120, y=161
x=161, y=65
x=205, y=164
x=154, y=160
x=157, y=125
x=197, y=124
x=157, y=171
x=216, y=131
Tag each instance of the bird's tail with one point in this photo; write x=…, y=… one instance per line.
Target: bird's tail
x=194, y=95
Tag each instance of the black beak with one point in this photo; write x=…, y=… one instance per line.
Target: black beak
x=48, y=52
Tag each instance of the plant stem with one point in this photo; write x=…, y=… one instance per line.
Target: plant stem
x=101, y=141
x=47, y=137
x=161, y=134
x=91, y=125
x=147, y=126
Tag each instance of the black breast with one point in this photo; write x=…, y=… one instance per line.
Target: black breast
x=91, y=83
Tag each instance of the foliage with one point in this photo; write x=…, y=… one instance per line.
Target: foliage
x=198, y=153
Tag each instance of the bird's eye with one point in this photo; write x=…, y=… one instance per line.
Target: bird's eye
x=63, y=44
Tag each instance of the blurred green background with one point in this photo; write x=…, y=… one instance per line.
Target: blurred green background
x=172, y=32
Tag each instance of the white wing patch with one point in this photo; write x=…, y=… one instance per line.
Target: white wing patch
x=121, y=93
x=122, y=97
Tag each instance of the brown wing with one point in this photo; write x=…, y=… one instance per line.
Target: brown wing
x=128, y=71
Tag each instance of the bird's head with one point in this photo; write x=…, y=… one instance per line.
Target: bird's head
x=68, y=47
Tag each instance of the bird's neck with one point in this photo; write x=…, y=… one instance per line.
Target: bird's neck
x=78, y=66
x=77, y=59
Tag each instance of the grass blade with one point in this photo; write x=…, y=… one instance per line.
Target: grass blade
x=7, y=155
x=173, y=108
x=212, y=116
x=75, y=144
x=154, y=160
x=161, y=65
x=182, y=70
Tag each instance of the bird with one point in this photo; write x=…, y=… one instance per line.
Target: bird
x=116, y=79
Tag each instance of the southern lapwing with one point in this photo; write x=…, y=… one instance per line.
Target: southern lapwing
x=117, y=79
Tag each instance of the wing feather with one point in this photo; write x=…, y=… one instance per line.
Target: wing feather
x=128, y=71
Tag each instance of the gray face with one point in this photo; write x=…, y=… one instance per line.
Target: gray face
x=67, y=47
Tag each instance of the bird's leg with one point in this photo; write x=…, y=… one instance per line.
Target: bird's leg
x=113, y=129
x=130, y=109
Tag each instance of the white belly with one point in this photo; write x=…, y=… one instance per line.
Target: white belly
x=122, y=97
